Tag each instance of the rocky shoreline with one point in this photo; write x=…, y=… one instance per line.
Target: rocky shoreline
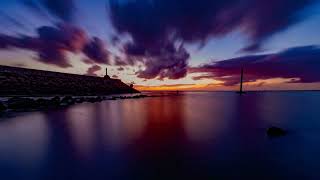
x=30, y=104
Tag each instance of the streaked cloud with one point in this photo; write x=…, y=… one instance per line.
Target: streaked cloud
x=299, y=64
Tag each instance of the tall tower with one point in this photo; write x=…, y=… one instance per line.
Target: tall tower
x=106, y=76
x=241, y=83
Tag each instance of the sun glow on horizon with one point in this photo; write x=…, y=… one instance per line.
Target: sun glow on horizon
x=260, y=85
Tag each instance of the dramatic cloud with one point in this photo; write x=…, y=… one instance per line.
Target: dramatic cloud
x=64, y=36
x=53, y=43
x=160, y=60
x=93, y=70
x=300, y=64
x=170, y=62
x=155, y=31
x=96, y=50
x=155, y=25
x=150, y=22
x=127, y=61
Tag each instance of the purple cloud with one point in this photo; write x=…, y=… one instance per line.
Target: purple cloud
x=52, y=44
x=93, y=70
x=119, y=62
x=120, y=69
x=155, y=24
x=88, y=61
x=301, y=64
x=160, y=60
x=168, y=62
x=96, y=50
x=194, y=21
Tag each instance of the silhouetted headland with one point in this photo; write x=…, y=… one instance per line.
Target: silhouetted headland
x=54, y=89
x=29, y=82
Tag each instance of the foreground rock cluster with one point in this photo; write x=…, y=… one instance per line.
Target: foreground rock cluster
x=28, y=82
x=18, y=103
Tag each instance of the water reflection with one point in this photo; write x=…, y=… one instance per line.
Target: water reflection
x=23, y=146
x=194, y=135
x=207, y=116
x=160, y=146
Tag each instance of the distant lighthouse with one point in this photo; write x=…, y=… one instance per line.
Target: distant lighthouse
x=106, y=76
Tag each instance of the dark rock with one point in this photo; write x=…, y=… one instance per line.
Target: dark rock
x=43, y=103
x=67, y=101
x=99, y=99
x=92, y=100
x=48, y=103
x=21, y=103
x=276, y=132
x=2, y=107
x=139, y=96
x=55, y=101
x=113, y=98
x=80, y=100
x=128, y=97
x=123, y=97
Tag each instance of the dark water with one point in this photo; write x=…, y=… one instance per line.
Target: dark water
x=191, y=136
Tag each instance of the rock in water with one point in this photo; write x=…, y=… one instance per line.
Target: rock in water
x=99, y=99
x=80, y=100
x=91, y=100
x=2, y=107
x=43, y=103
x=276, y=132
x=55, y=101
x=67, y=101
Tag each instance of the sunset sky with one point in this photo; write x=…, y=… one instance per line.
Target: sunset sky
x=168, y=44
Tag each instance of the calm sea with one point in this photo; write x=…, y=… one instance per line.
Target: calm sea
x=216, y=135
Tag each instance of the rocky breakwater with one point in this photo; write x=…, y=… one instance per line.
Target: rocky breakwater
x=28, y=82
x=33, y=104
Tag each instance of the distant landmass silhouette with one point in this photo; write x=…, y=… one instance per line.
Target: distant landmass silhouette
x=31, y=82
